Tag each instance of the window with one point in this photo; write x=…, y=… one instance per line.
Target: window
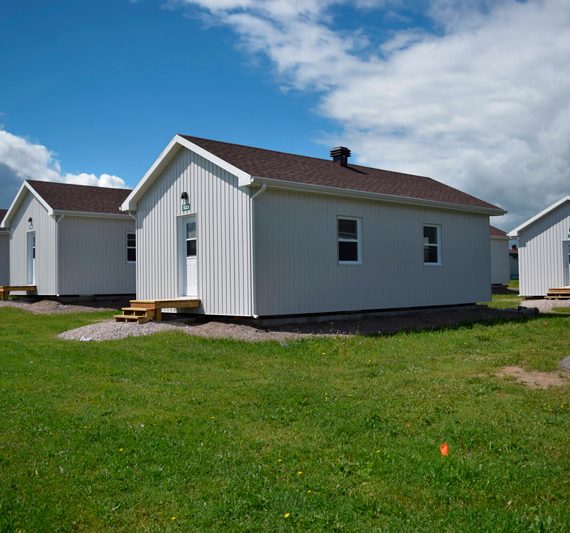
x=432, y=245
x=348, y=233
x=191, y=239
x=131, y=247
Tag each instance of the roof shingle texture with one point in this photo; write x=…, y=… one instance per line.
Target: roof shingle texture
x=263, y=163
x=84, y=198
x=496, y=232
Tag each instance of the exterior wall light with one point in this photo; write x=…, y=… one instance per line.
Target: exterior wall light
x=184, y=202
x=30, y=223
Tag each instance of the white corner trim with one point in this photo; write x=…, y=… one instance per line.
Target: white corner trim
x=514, y=233
x=325, y=189
x=14, y=206
x=130, y=204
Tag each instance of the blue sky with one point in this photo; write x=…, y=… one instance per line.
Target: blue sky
x=105, y=85
x=472, y=92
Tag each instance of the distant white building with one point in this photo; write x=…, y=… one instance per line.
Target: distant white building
x=514, y=261
x=544, y=250
x=71, y=240
x=4, y=253
x=254, y=232
x=500, y=274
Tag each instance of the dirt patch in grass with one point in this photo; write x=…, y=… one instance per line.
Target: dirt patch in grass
x=533, y=379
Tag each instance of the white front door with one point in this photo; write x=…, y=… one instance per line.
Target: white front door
x=31, y=258
x=191, y=247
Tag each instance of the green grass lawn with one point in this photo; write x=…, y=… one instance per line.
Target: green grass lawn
x=505, y=301
x=169, y=433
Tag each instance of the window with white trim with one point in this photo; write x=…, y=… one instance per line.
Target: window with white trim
x=131, y=247
x=348, y=236
x=432, y=244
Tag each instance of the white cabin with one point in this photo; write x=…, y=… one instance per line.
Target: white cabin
x=500, y=266
x=544, y=250
x=4, y=253
x=253, y=232
x=71, y=240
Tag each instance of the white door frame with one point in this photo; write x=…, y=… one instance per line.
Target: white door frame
x=182, y=256
x=31, y=257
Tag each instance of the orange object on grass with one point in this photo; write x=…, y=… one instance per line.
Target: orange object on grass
x=444, y=449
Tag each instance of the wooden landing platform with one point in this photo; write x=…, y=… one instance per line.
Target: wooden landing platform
x=142, y=311
x=5, y=290
x=560, y=293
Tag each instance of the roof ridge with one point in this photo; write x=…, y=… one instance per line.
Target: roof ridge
x=304, y=156
x=58, y=183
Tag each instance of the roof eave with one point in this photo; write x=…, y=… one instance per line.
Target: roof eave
x=91, y=214
x=177, y=142
x=515, y=232
x=325, y=189
x=19, y=198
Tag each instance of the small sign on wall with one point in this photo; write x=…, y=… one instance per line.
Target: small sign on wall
x=186, y=207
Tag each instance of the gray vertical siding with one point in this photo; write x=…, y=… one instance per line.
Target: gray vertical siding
x=224, y=236
x=46, y=263
x=541, y=262
x=297, y=270
x=93, y=256
x=4, y=258
x=499, y=260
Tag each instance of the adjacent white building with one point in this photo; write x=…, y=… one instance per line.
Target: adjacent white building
x=4, y=253
x=253, y=232
x=71, y=240
x=500, y=267
x=544, y=250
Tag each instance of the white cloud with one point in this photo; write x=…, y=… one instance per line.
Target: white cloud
x=21, y=159
x=482, y=104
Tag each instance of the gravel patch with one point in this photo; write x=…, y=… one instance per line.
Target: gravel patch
x=544, y=306
x=377, y=324
x=110, y=330
x=50, y=307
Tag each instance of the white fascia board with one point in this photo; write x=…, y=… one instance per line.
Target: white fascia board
x=90, y=214
x=130, y=204
x=14, y=206
x=322, y=189
x=515, y=232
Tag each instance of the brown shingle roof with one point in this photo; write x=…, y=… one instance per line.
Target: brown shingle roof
x=2, y=215
x=84, y=198
x=496, y=232
x=302, y=169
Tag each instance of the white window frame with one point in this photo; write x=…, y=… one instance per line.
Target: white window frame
x=358, y=240
x=437, y=245
x=127, y=247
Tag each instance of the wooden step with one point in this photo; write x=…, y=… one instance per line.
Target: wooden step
x=558, y=293
x=134, y=311
x=142, y=311
x=5, y=290
x=132, y=319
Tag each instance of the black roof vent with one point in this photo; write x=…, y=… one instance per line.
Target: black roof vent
x=340, y=155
